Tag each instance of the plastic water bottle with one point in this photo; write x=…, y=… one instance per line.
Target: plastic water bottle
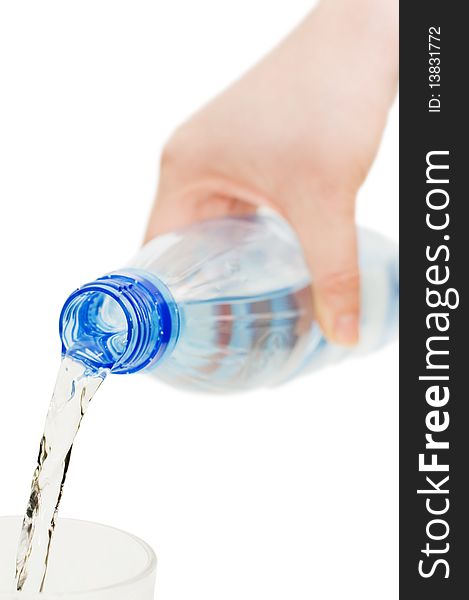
x=223, y=305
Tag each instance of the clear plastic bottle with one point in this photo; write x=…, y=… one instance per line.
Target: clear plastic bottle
x=224, y=305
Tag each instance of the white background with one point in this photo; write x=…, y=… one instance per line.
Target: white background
x=285, y=493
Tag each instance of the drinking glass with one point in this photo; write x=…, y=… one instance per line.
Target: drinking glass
x=88, y=561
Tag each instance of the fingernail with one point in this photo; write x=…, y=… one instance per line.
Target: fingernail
x=346, y=330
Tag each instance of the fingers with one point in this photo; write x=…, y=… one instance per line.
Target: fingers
x=177, y=207
x=191, y=189
x=168, y=211
x=327, y=232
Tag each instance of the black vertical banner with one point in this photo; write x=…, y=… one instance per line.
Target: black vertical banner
x=434, y=202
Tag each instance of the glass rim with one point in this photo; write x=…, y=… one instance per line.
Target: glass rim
x=146, y=571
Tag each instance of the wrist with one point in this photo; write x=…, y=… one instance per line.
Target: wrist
x=378, y=19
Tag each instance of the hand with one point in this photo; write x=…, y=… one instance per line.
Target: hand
x=297, y=133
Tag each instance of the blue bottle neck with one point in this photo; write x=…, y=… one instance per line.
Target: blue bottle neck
x=125, y=321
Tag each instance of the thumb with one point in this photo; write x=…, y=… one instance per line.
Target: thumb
x=328, y=235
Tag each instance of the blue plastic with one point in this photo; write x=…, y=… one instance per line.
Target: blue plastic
x=124, y=321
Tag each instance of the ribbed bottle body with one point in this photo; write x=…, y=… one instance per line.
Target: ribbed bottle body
x=244, y=300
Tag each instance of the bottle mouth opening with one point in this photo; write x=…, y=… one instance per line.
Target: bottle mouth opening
x=121, y=322
x=96, y=327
